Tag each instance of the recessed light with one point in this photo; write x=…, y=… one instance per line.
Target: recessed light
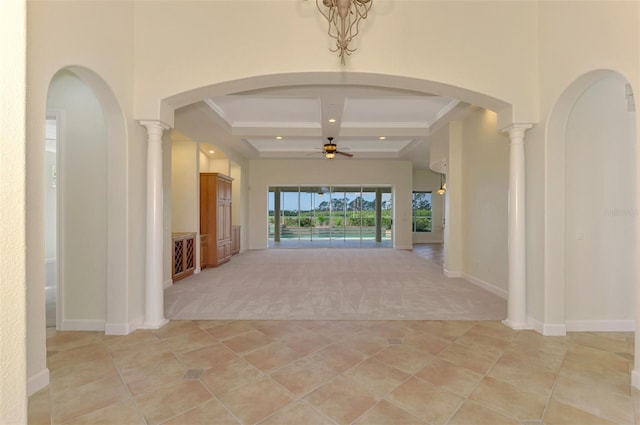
x=212, y=151
x=278, y=137
x=332, y=120
x=382, y=137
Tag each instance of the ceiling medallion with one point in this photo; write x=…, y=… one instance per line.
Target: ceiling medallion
x=343, y=17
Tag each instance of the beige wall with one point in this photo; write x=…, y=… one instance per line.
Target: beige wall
x=604, y=38
x=13, y=329
x=392, y=42
x=63, y=34
x=494, y=54
x=185, y=198
x=265, y=173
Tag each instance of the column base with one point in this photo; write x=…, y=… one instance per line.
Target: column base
x=154, y=325
x=516, y=325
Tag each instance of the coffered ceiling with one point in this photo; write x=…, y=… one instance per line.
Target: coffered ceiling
x=294, y=122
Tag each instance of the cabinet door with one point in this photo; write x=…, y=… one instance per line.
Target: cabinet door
x=227, y=222
x=189, y=253
x=221, y=183
x=203, y=251
x=221, y=253
x=178, y=258
x=220, y=223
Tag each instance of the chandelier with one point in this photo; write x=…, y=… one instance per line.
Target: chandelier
x=344, y=16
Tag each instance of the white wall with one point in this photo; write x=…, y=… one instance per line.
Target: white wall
x=451, y=137
x=485, y=184
x=600, y=214
x=82, y=187
x=428, y=181
x=265, y=173
x=13, y=332
x=236, y=194
x=50, y=206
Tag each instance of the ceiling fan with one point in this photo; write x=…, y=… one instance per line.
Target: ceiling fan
x=331, y=149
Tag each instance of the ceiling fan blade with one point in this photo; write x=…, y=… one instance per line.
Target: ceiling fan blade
x=315, y=153
x=350, y=155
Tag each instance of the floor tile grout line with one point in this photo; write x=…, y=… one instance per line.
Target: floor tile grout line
x=570, y=343
x=555, y=383
x=124, y=382
x=384, y=397
x=303, y=397
x=484, y=376
x=204, y=386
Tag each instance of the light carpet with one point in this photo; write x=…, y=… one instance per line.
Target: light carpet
x=329, y=284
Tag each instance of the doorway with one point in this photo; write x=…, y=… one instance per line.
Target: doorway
x=50, y=184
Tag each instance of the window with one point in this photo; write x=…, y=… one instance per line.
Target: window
x=421, y=212
x=330, y=216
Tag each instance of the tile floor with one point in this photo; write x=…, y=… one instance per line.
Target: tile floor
x=337, y=372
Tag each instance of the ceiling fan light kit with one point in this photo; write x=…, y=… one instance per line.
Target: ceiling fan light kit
x=344, y=17
x=331, y=149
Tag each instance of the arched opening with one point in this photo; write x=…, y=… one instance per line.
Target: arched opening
x=195, y=118
x=591, y=213
x=84, y=215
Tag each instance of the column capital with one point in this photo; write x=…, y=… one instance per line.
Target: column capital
x=152, y=125
x=516, y=130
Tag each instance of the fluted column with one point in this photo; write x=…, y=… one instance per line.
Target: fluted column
x=154, y=286
x=517, y=297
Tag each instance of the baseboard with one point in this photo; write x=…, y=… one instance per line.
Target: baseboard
x=154, y=325
x=123, y=328
x=82, y=325
x=517, y=325
x=600, y=325
x=168, y=283
x=37, y=382
x=485, y=285
x=548, y=329
x=452, y=273
x=635, y=378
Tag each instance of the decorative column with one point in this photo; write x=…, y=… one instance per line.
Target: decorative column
x=154, y=288
x=517, y=297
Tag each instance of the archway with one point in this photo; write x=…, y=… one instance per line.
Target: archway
x=90, y=183
x=590, y=196
x=193, y=100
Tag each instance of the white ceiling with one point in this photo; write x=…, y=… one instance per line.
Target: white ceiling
x=249, y=122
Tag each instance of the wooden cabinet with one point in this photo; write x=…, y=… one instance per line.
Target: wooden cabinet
x=203, y=251
x=235, y=240
x=215, y=217
x=184, y=255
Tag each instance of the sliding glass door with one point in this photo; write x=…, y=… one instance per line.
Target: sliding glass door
x=324, y=216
